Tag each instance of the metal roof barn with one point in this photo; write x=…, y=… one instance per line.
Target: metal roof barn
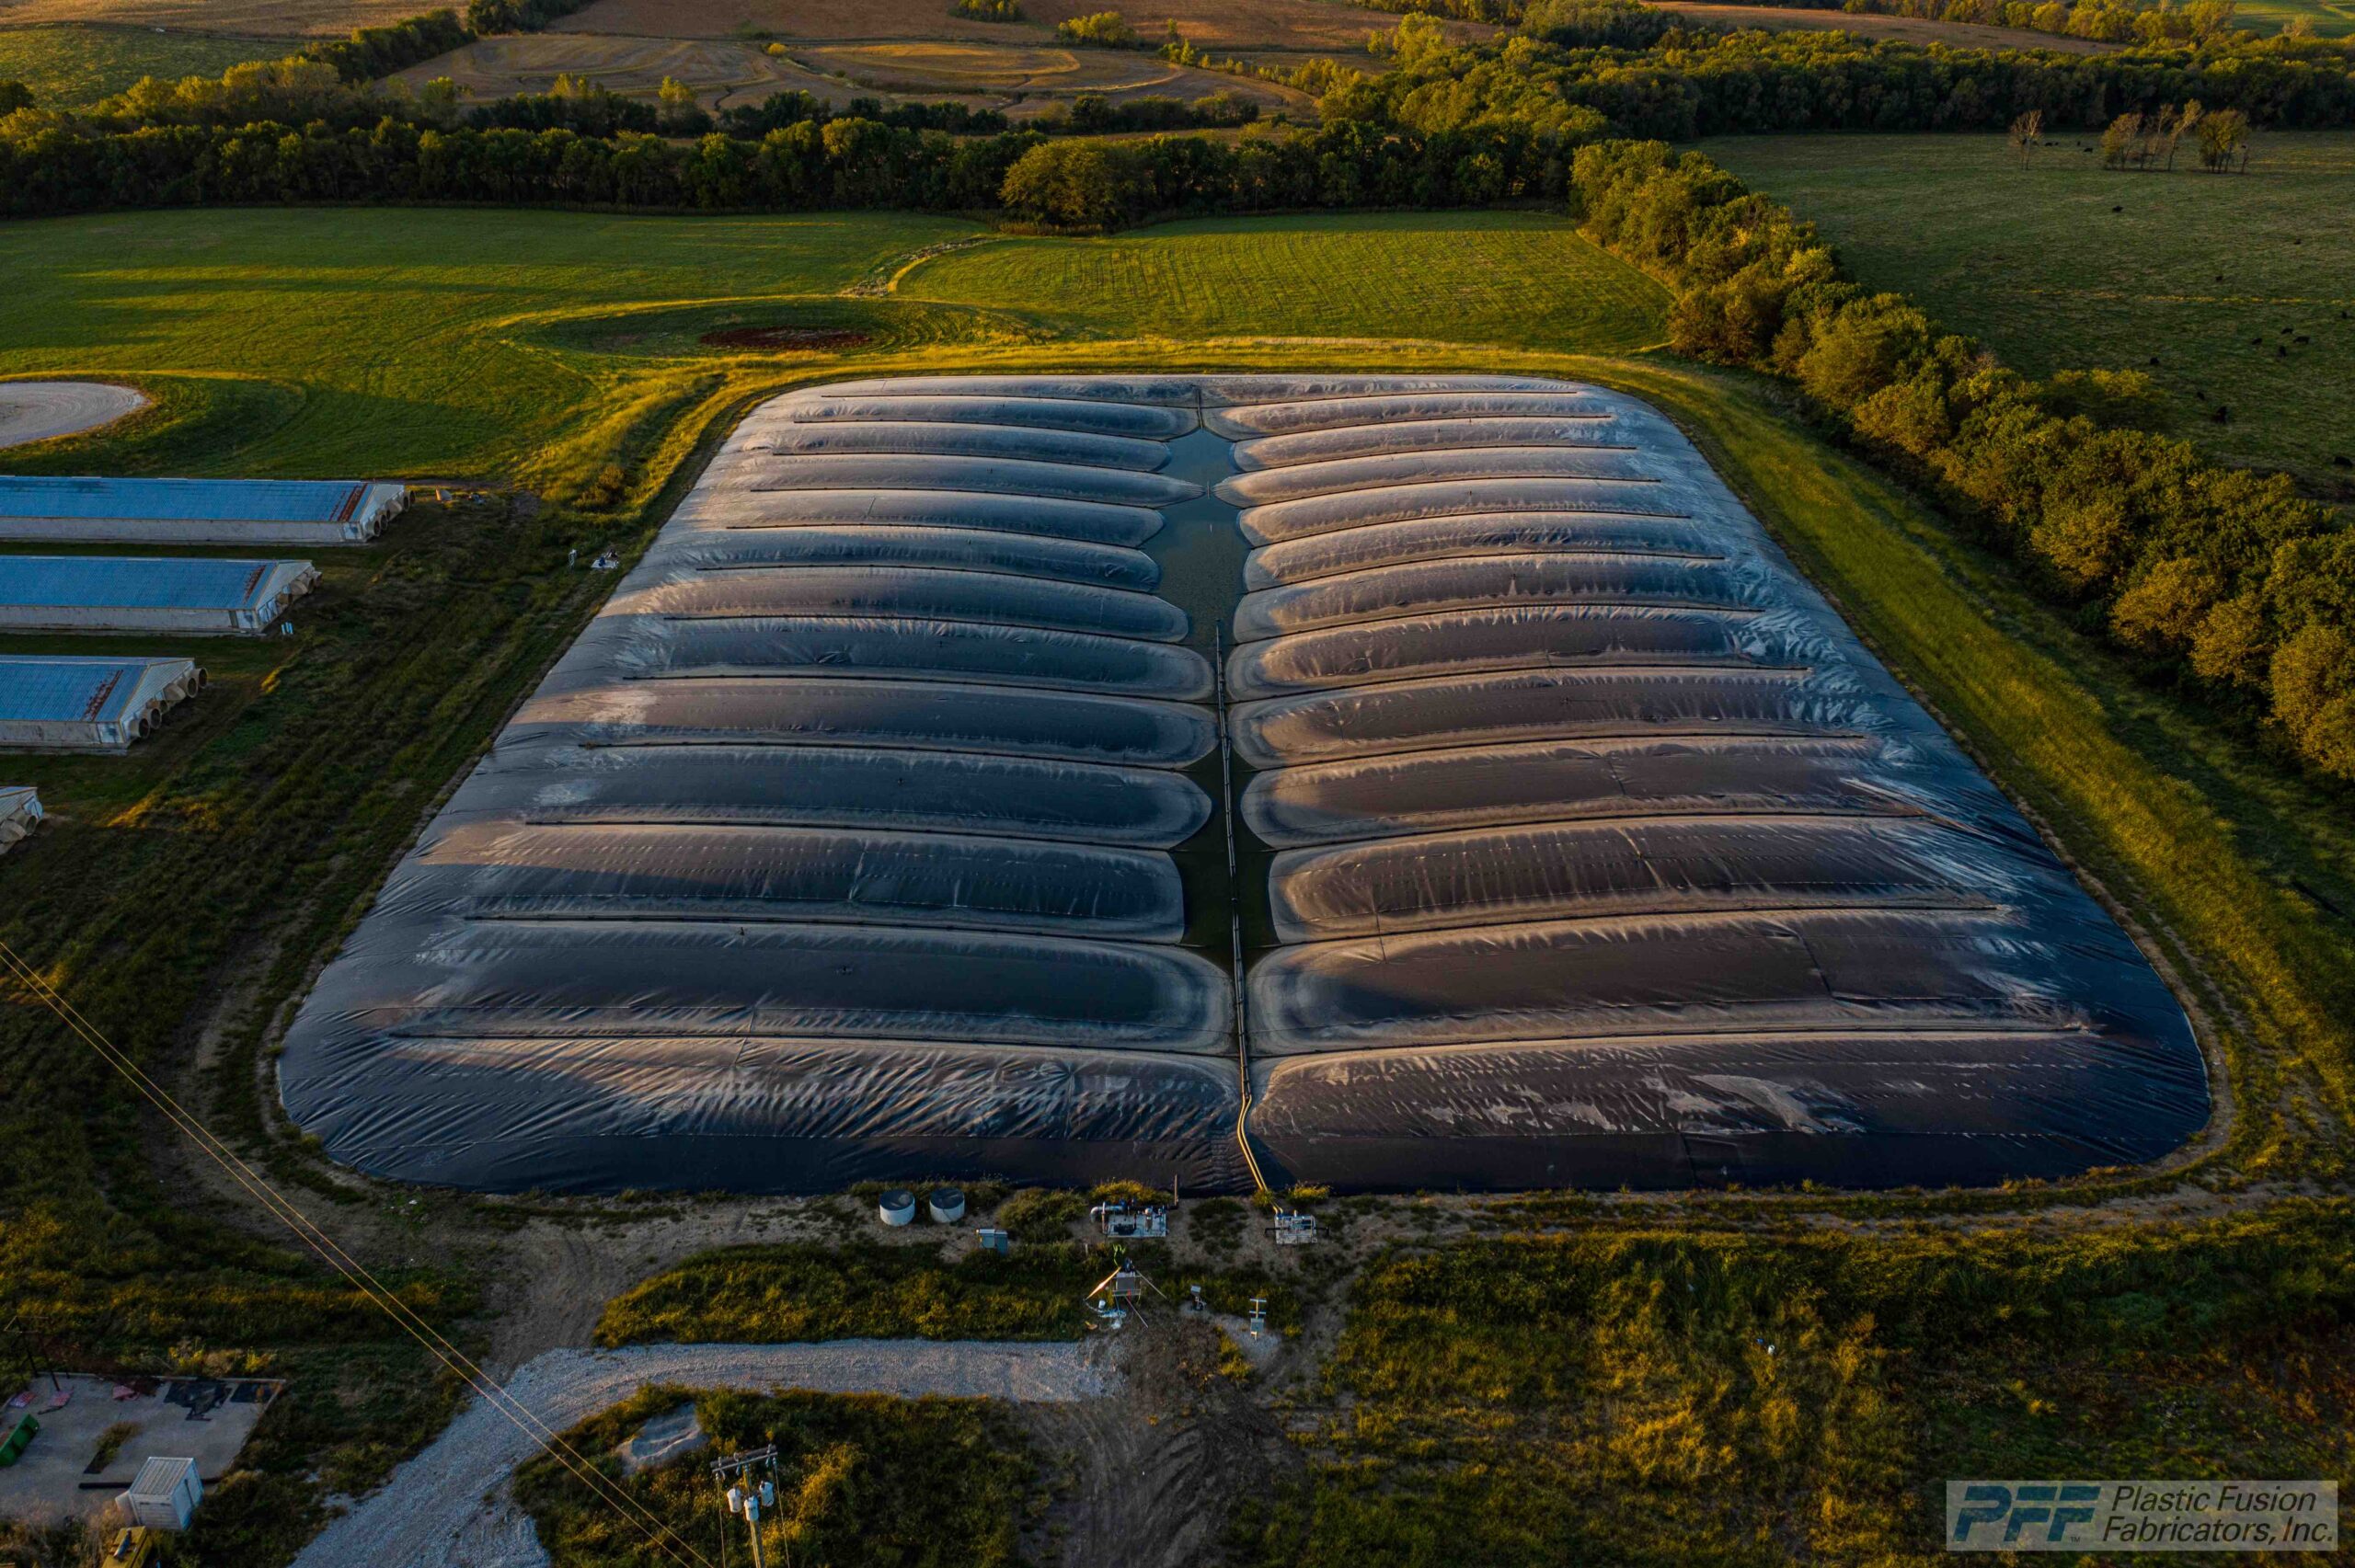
x=19, y=813
x=125, y=593
x=88, y=704
x=1581, y=841
x=195, y=511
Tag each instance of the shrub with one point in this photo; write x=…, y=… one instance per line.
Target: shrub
x=1038, y=1214
x=1105, y=30
x=987, y=10
x=1076, y=185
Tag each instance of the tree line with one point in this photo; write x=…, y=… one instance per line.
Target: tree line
x=2224, y=577
x=1694, y=83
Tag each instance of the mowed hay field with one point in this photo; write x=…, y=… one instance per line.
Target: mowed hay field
x=723, y=72
x=246, y=19
x=72, y=67
x=1221, y=25
x=1517, y=280
x=2203, y=271
x=1029, y=79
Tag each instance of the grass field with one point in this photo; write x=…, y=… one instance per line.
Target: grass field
x=233, y=18
x=1697, y=1396
x=2330, y=18
x=1504, y=278
x=70, y=67
x=861, y=1478
x=2202, y=271
x=533, y=348
x=1867, y=24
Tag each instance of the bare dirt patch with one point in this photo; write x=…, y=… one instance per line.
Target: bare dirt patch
x=1907, y=30
x=785, y=339
x=1150, y=1476
x=723, y=73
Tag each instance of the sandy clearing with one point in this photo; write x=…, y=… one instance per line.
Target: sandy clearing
x=450, y=1505
x=41, y=410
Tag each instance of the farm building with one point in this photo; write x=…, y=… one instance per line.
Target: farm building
x=124, y=593
x=88, y=704
x=1576, y=840
x=19, y=813
x=195, y=511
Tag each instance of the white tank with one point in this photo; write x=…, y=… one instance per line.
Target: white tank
x=897, y=1206
x=946, y=1204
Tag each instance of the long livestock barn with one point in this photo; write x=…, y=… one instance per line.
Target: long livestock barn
x=195, y=511
x=19, y=813
x=122, y=593
x=878, y=827
x=88, y=704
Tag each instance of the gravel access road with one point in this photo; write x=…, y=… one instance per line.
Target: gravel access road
x=39, y=410
x=449, y=1507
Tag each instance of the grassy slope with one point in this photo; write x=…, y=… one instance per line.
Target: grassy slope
x=69, y=66
x=2036, y=264
x=543, y=345
x=1503, y=278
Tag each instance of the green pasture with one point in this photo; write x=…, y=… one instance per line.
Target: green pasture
x=2330, y=18
x=1512, y=278
x=71, y=65
x=557, y=359
x=2201, y=271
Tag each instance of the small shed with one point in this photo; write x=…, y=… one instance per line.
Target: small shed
x=165, y=1493
x=60, y=704
x=19, y=813
x=132, y=594
x=196, y=512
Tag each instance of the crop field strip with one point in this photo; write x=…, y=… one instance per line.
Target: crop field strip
x=2217, y=278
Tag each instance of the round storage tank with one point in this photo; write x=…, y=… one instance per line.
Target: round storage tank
x=948, y=1205
x=897, y=1206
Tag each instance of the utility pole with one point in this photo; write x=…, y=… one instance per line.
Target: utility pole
x=749, y=1500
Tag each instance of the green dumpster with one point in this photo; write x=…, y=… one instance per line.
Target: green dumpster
x=18, y=1436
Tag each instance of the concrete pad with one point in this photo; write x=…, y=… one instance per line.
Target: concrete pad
x=204, y=1419
x=42, y=410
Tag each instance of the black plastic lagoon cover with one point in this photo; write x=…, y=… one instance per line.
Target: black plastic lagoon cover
x=1417, y=781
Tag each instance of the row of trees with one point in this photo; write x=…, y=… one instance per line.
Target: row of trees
x=2110, y=21
x=2147, y=141
x=2107, y=21
x=2227, y=577
x=1701, y=82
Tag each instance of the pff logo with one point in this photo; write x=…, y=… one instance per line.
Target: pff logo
x=2141, y=1515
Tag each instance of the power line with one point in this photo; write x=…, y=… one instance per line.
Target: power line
x=659, y=1535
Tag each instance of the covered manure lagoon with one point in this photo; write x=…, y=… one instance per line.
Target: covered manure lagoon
x=1416, y=782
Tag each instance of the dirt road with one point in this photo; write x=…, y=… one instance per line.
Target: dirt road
x=449, y=1507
